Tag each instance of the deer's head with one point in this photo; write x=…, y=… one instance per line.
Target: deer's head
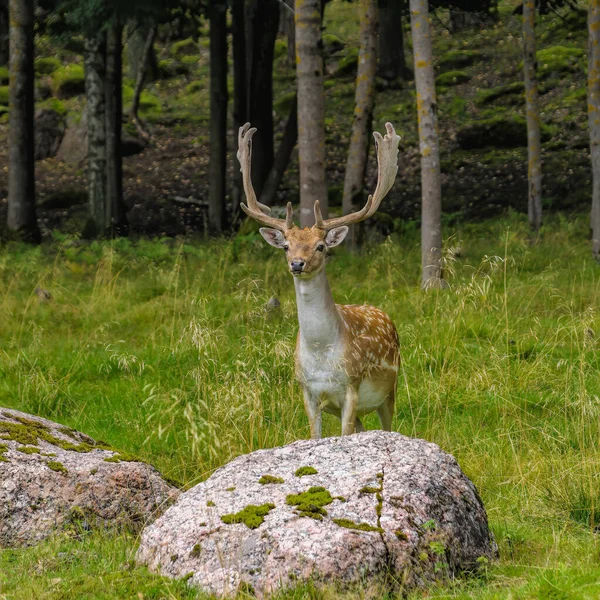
x=306, y=248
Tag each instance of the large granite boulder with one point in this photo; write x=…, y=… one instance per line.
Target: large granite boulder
x=52, y=477
x=338, y=510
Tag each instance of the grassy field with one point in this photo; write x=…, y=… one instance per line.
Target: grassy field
x=164, y=349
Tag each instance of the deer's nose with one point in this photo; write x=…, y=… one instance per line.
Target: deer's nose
x=297, y=264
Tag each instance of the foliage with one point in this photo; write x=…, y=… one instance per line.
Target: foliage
x=163, y=349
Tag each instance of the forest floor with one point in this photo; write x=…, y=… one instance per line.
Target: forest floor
x=481, y=118
x=164, y=349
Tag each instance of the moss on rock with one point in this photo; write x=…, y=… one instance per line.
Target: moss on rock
x=266, y=479
x=452, y=78
x=348, y=524
x=46, y=65
x=455, y=59
x=252, y=516
x=509, y=94
x=183, y=48
x=68, y=81
x=311, y=503
x=4, y=77
x=57, y=466
x=302, y=471
x=28, y=449
x=3, y=449
x=4, y=95
x=558, y=60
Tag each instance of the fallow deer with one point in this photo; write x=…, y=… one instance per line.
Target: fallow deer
x=346, y=356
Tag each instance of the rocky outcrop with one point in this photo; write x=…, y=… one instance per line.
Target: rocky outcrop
x=52, y=477
x=339, y=510
x=49, y=131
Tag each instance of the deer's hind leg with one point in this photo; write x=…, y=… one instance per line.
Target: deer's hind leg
x=385, y=412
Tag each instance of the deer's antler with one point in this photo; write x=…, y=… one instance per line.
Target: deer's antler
x=387, y=167
x=254, y=208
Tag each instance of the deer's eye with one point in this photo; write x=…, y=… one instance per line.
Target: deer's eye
x=321, y=247
x=286, y=248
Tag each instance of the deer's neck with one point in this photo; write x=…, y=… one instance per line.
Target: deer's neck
x=318, y=317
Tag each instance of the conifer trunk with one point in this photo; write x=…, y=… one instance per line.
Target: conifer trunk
x=218, y=117
x=240, y=87
x=534, y=148
x=311, y=109
x=4, y=34
x=594, y=119
x=356, y=164
x=21, y=175
x=114, y=212
x=392, y=63
x=95, y=74
x=431, y=183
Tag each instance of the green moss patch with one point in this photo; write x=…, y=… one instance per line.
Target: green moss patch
x=149, y=103
x=348, y=524
x=122, y=457
x=196, y=550
x=369, y=490
x=28, y=449
x=252, y=516
x=210, y=503
x=302, y=471
x=558, y=60
x=456, y=59
x=4, y=76
x=452, y=78
x=501, y=132
x=348, y=64
x=266, y=479
x=68, y=81
x=311, y=503
x=183, y=48
x=57, y=466
x=3, y=449
x=4, y=95
x=46, y=65
x=509, y=94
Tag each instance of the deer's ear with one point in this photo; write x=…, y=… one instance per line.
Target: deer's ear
x=273, y=237
x=336, y=236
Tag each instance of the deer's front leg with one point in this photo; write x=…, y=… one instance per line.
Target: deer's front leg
x=349, y=410
x=313, y=412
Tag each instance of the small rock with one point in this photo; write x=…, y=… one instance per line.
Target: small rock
x=43, y=295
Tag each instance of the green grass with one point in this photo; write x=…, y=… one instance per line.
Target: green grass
x=163, y=349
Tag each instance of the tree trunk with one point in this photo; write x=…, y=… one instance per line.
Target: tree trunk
x=356, y=165
x=139, y=83
x=311, y=109
x=594, y=118
x=137, y=52
x=240, y=89
x=218, y=117
x=21, y=173
x=4, y=34
x=114, y=213
x=392, y=63
x=431, y=183
x=533, y=117
x=264, y=33
x=289, y=30
x=95, y=75
x=282, y=158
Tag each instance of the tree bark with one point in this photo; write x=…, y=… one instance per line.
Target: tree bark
x=431, y=183
x=392, y=63
x=282, y=158
x=264, y=32
x=95, y=75
x=218, y=117
x=240, y=88
x=114, y=213
x=356, y=165
x=594, y=118
x=21, y=175
x=137, y=52
x=534, y=148
x=4, y=33
x=311, y=109
x=139, y=83
x=289, y=30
